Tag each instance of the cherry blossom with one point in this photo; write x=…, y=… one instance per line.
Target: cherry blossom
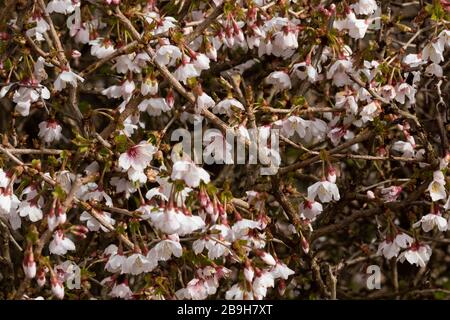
x=29, y=265
x=166, y=248
x=61, y=6
x=174, y=221
x=50, y=131
x=61, y=244
x=137, y=157
x=280, y=80
x=418, y=254
x=325, y=190
x=65, y=77
x=57, y=288
x=390, y=248
x=431, y=220
x=227, y=106
x=93, y=224
x=189, y=173
x=310, y=209
x=366, y=7
x=101, y=48
x=31, y=209
x=121, y=291
x=436, y=188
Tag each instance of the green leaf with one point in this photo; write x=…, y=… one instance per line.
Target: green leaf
x=121, y=143
x=59, y=193
x=435, y=10
x=83, y=106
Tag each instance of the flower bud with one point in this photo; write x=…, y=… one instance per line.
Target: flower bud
x=281, y=287
x=305, y=245
x=249, y=273
x=57, y=287
x=331, y=176
x=29, y=265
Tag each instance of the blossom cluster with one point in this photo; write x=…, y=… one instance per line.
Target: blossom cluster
x=94, y=191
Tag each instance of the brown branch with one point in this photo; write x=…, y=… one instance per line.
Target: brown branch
x=205, y=24
x=285, y=203
x=53, y=34
x=121, y=51
x=35, y=151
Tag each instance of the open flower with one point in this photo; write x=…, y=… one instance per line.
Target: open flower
x=189, y=173
x=390, y=248
x=137, y=263
x=366, y=7
x=305, y=70
x=154, y=106
x=310, y=209
x=357, y=28
x=280, y=270
x=31, y=209
x=436, y=188
x=204, y=102
x=261, y=283
x=49, y=131
x=93, y=224
x=121, y=291
x=137, y=157
x=65, y=77
x=168, y=55
x=185, y=71
x=280, y=80
x=61, y=244
x=325, y=190
x=62, y=6
x=226, y=106
x=167, y=248
x=25, y=96
x=101, y=48
x=338, y=72
x=431, y=220
x=418, y=254
x=174, y=221
x=434, y=51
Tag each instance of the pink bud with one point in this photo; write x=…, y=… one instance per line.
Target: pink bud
x=210, y=208
x=61, y=218
x=203, y=197
x=221, y=209
x=57, y=287
x=331, y=176
x=170, y=98
x=305, y=245
x=76, y=54
x=249, y=273
x=41, y=277
x=211, y=53
x=52, y=222
x=4, y=36
x=266, y=257
x=370, y=195
x=281, y=287
x=29, y=265
x=79, y=234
